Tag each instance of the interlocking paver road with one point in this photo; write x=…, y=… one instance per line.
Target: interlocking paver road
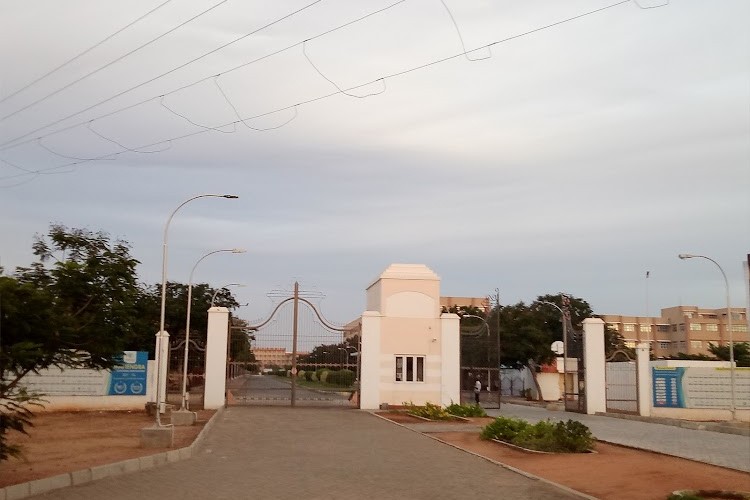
x=312, y=453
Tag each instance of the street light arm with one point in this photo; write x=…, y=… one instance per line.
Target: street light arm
x=213, y=298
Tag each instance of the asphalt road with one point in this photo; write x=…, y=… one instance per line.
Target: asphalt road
x=277, y=391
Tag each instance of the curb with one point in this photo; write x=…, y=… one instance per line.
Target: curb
x=83, y=476
x=504, y=466
x=684, y=424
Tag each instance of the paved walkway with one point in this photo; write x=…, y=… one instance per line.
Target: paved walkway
x=726, y=450
x=280, y=453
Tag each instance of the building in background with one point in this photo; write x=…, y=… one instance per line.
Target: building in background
x=686, y=329
x=269, y=357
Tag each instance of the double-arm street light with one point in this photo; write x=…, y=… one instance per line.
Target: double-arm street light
x=164, y=295
x=684, y=256
x=184, y=403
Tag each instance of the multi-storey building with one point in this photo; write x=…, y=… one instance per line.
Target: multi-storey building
x=267, y=357
x=686, y=329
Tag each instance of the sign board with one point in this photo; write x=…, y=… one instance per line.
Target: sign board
x=699, y=387
x=128, y=378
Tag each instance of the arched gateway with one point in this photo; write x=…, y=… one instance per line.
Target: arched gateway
x=404, y=351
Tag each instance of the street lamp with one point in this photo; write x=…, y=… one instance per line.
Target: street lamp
x=158, y=353
x=213, y=298
x=183, y=404
x=684, y=256
x=565, y=347
x=487, y=326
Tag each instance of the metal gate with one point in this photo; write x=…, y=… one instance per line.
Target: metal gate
x=622, y=383
x=574, y=372
x=296, y=358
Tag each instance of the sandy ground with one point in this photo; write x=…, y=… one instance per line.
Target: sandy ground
x=613, y=472
x=64, y=442
x=68, y=441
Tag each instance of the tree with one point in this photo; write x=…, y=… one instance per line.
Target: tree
x=741, y=352
x=74, y=307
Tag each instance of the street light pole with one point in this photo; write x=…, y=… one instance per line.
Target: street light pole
x=213, y=297
x=565, y=348
x=184, y=403
x=487, y=326
x=684, y=256
x=157, y=355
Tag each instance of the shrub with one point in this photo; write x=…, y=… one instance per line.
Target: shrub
x=429, y=410
x=301, y=375
x=560, y=437
x=319, y=374
x=309, y=375
x=343, y=378
x=503, y=428
x=465, y=410
x=324, y=375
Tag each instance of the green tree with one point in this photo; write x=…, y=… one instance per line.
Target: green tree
x=741, y=352
x=73, y=307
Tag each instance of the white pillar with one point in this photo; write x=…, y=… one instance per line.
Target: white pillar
x=216, y=358
x=450, y=352
x=643, y=376
x=595, y=365
x=161, y=358
x=369, y=383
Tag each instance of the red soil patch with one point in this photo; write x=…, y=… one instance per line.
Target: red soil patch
x=614, y=472
x=69, y=441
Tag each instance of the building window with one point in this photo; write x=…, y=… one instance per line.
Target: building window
x=682, y=327
x=614, y=326
x=695, y=327
x=664, y=345
x=688, y=315
x=630, y=344
x=712, y=327
x=674, y=328
x=662, y=328
x=646, y=328
x=739, y=328
x=628, y=327
x=696, y=344
x=409, y=368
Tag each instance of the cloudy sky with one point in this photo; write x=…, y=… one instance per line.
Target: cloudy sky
x=565, y=157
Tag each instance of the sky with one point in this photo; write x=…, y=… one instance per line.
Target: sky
x=569, y=156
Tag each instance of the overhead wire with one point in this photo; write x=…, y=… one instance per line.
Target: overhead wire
x=304, y=53
x=216, y=129
x=326, y=96
x=239, y=116
x=10, y=143
x=461, y=38
x=114, y=61
x=176, y=68
x=78, y=56
x=102, y=136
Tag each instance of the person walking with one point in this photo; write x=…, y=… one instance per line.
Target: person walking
x=477, y=390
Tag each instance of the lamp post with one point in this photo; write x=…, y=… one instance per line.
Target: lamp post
x=565, y=347
x=487, y=326
x=158, y=353
x=213, y=297
x=684, y=256
x=184, y=403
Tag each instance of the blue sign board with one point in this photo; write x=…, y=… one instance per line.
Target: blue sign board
x=128, y=378
x=668, y=391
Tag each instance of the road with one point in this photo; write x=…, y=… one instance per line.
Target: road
x=277, y=391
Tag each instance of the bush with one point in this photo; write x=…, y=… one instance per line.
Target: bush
x=429, y=410
x=504, y=429
x=560, y=437
x=309, y=375
x=465, y=410
x=301, y=375
x=343, y=378
x=324, y=375
x=319, y=374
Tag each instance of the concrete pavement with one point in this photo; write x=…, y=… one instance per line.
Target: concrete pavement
x=312, y=453
x=725, y=450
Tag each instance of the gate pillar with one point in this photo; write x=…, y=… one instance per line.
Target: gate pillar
x=369, y=383
x=595, y=366
x=643, y=378
x=216, y=358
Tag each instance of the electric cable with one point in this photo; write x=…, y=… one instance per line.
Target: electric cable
x=461, y=38
x=76, y=57
x=244, y=122
x=216, y=129
x=163, y=74
x=114, y=61
x=304, y=53
x=102, y=136
x=326, y=96
x=9, y=144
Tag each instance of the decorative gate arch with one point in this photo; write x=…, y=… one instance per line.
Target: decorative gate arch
x=297, y=358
